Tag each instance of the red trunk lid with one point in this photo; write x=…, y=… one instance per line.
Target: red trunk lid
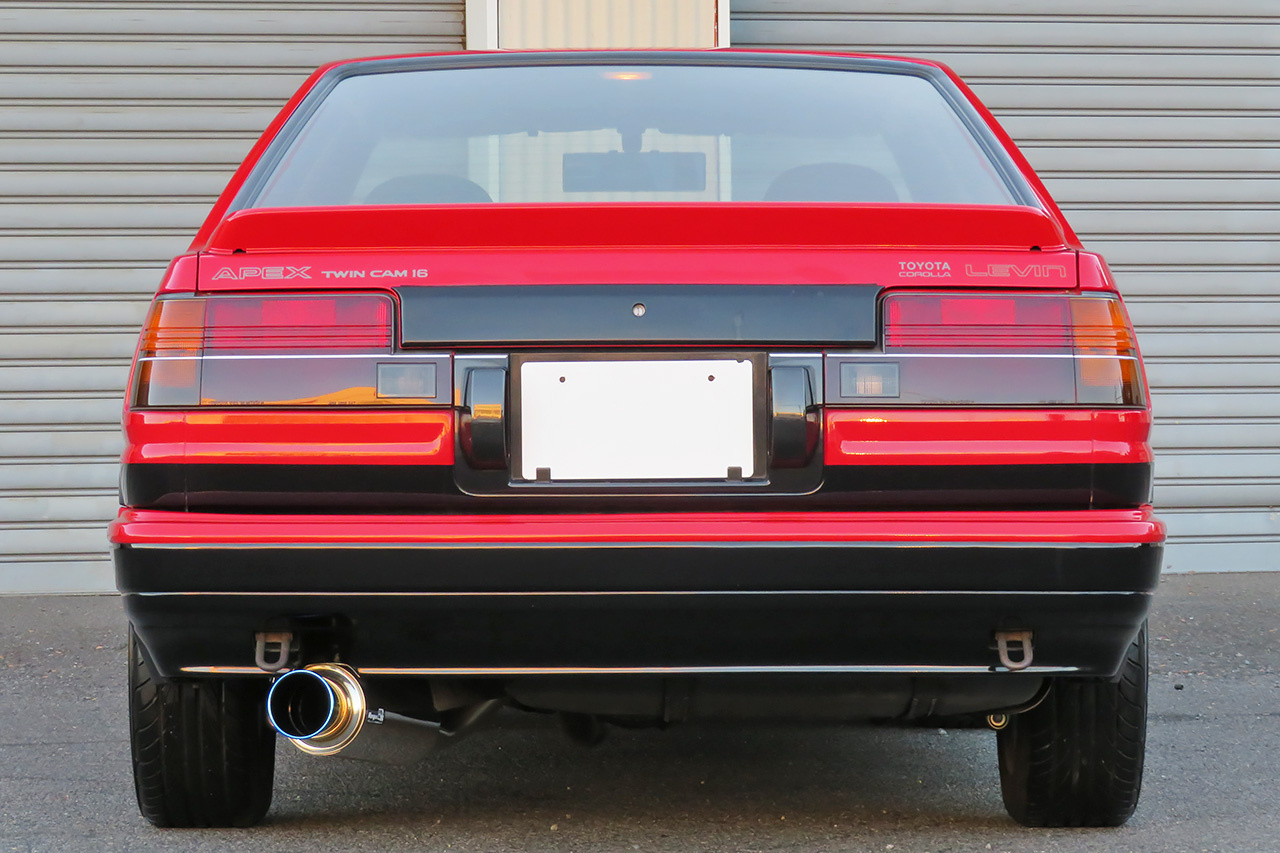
x=915, y=245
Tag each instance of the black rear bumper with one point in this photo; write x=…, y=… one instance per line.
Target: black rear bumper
x=644, y=608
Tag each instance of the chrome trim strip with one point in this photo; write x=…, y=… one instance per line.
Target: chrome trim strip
x=403, y=356
x=690, y=670
x=631, y=592
x=870, y=669
x=897, y=356
x=472, y=546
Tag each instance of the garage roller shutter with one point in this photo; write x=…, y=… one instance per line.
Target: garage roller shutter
x=1157, y=126
x=119, y=123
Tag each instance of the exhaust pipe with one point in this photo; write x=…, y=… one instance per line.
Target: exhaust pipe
x=323, y=710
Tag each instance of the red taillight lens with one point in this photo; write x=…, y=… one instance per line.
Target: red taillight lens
x=981, y=321
x=995, y=349
x=328, y=324
x=330, y=350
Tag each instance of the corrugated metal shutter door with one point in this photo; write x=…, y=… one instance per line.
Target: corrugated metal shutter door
x=119, y=123
x=1157, y=126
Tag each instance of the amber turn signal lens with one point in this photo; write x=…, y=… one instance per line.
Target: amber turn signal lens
x=174, y=327
x=1099, y=327
x=169, y=353
x=1106, y=354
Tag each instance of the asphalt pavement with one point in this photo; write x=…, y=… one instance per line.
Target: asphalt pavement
x=1211, y=783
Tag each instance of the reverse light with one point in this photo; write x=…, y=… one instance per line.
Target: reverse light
x=410, y=381
x=868, y=379
x=1004, y=349
x=332, y=350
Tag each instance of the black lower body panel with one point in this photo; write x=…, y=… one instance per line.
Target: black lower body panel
x=726, y=608
x=432, y=488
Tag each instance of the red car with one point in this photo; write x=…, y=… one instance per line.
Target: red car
x=637, y=387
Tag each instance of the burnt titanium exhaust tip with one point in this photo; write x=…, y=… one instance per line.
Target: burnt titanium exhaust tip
x=321, y=708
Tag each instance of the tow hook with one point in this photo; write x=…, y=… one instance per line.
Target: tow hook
x=271, y=650
x=1023, y=639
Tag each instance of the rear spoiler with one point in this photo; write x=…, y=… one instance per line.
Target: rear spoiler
x=624, y=225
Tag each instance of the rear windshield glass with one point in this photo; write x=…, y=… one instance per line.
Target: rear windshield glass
x=581, y=133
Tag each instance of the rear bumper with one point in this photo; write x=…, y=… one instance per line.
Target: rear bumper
x=911, y=593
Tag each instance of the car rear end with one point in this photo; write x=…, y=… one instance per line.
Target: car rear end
x=698, y=478
x=643, y=460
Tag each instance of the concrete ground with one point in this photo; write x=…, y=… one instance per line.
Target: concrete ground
x=1211, y=782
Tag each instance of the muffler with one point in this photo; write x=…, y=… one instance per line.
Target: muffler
x=323, y=709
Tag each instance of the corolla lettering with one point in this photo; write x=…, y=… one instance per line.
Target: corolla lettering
x=924, y=269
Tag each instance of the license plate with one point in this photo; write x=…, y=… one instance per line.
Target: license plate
x=636, y=420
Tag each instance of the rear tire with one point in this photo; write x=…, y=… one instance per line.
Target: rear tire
x=203, y=753
x=1076, y=758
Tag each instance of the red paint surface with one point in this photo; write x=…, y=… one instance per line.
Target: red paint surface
x=135, y=527
x=635, y=224
x=1037, y=186
x=1094, y=273
x=290, y=437
x=1067, y=237
x=852, y=437
x=890, y=268
x=219, y=209
x=984, y=436
x=181, y=275
x=706, y=243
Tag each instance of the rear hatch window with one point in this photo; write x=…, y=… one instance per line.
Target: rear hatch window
x=598, y=133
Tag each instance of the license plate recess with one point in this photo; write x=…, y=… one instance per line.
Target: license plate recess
x=629, y=419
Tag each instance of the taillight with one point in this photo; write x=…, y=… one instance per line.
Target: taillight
x=331, y=350
x=169, y=353
x=980, y=349
x=295, y=324
x=1106, y=353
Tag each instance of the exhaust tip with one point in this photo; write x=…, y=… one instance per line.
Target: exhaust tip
x=301, y=704
x=321, y=708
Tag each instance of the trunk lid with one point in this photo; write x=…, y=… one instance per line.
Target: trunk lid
x=886, y=245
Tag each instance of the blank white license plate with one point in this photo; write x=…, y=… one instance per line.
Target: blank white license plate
x=636, y=420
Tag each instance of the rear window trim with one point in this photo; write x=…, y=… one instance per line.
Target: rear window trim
x=987, y=141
